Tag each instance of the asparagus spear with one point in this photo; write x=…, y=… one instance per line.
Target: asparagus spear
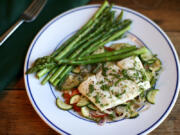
x=63, y=75
x=78, y=36
x=119, y=18
x=61, y=82
x=40, y=63
x=104, y=59
x=106, y=54
x=48, y=76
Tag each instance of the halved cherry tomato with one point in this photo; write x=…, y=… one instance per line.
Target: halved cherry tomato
x=74, y=92
x=108, y=48
x=76, y=108
x=67, y=97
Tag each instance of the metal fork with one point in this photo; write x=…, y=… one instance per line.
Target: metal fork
x=29, y=15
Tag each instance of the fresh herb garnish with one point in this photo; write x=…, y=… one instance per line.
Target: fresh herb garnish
x=91, y=88
x=115, y=75
x=114, y=70
x=105, y=87
x=119, y=94
x=121, y=79
x=104, y=70
x=144, y=77
x=125, y=74
x=97, y=98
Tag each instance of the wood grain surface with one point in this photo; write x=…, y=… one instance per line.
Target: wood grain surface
x=17, y=116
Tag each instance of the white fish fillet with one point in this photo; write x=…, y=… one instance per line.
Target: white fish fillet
x=119, y=92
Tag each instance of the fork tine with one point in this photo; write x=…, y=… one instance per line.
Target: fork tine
x=35, y=6
x=38, y=8
x=33, y=10
x=31, y=6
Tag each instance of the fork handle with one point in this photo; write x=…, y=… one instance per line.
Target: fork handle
x=10, y=31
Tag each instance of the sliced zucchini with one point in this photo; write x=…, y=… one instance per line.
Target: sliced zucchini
x=147, y=57
x=153, y=82
x=134, y=115
x=149, y=75
x=83, y=102
x=74, y=99
x=63, y=105
x=156, y=66
x=85, y=112
x=72, y=81
x=150, y=97
x=92, y=107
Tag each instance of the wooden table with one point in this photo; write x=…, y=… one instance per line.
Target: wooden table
x=17, y=117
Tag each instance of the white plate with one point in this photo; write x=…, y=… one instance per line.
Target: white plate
x=144, y=32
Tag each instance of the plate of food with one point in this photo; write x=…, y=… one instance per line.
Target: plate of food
x=102, y=69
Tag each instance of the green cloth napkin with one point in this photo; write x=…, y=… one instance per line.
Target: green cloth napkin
x=13, y=51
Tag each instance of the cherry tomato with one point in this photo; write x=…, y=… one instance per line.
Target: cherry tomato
x=74, y=92
x=76, y=108
x=67, y=97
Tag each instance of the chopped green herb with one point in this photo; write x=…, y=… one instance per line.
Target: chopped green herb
x=136, y=75
x=142, y=94
x=116, y=83
x=97, y=98
x=104, y=70
x=115, y=75
x=114, y=70
x=135, y=62
x=106, y=104
x=121, y=79
x=125, y=74
x=106, y=79
x=101, y=82
x=105, y=87
x=144, y=77
x=119, y=94
x=91, y=88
